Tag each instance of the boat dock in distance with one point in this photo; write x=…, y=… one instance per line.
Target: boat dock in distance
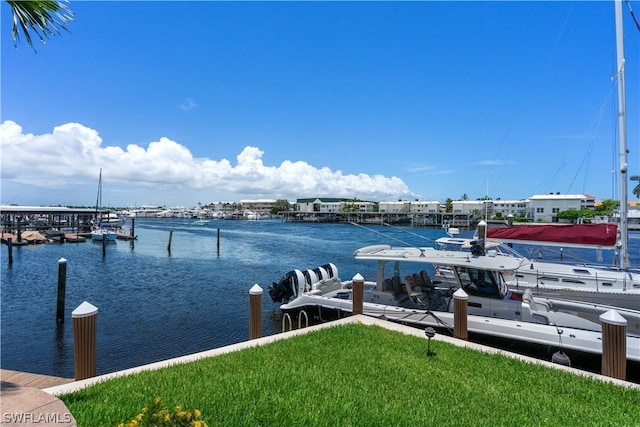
x=435, y=220
x=39, y=224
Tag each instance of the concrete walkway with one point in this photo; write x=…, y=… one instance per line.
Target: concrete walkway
x=23, y=403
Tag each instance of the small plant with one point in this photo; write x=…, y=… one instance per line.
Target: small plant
x=158, y=415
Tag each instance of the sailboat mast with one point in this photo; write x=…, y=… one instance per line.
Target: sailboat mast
x=99, y=196
x=622, y=125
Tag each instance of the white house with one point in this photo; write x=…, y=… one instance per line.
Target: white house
x=545, y=207
x=426, y=207
x=401, y=207
x=517, y=208
x=482, y=207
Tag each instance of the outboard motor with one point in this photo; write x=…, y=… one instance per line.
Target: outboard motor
x=283, y=290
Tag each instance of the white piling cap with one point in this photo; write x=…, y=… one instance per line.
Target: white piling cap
x=612, y=317
x=255, y=290
x=61, y=260
x=358, y=277
x=460, y=294
x=84, y=310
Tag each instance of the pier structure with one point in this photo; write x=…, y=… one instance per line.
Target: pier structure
x=35, y=218
x=435, y=220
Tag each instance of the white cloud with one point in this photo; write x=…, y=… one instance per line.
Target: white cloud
x=73, y=154
x=188, y=104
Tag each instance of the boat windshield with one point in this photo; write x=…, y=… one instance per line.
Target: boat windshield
x=484, y=283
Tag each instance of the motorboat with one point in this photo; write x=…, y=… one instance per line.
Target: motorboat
x=585, y=282
x=98, y=234
x=403, y=291
x=617, y=284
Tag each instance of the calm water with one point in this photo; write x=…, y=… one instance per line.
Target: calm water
x=155, y=306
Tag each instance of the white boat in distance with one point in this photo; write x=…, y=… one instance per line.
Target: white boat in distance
x=404, y=292
x=101, y=231
x=99, y=234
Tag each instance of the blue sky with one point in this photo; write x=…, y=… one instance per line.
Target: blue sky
x=187, y=102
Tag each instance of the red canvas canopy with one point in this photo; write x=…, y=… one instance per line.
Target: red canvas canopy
x=601, y=235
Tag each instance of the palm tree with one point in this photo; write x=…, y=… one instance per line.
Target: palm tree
x=43, y=18
x=636, y=189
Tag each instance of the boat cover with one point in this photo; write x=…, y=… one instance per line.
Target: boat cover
x=601, y=235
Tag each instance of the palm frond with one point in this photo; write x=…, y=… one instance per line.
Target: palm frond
x=42, y=18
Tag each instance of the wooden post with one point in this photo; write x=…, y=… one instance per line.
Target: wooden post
x=460, y=299
x=357, y=295
x=132, y=232
x=614, y=345
x=19, y=229
x=218, y=244
x=62, y=286
x=104, y=245
x=169, y=245
x=482, y=232
x=10, y=249
x=85, y=318
x=255, y=312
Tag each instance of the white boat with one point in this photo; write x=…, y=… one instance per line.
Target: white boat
x=99, y=234
x=102, y=231
x=201, y=221
x=617, y=284
x=404, y=292
x=111, y=219
x=611, y=285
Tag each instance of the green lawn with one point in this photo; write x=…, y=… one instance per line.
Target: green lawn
x=359, y=375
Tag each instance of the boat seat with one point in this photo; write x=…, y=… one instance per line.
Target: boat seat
x=425, y=281
x=413, y=294
x=397, y=286
x=527, y=297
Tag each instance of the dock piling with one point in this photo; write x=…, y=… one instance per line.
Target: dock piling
x=614, y=345
x=62, y=286
x=10, y=249
x=169, y=244
x=358, y=294
x=255, y=312
x=84, y=340
x=460, y=299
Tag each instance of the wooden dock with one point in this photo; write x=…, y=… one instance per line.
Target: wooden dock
x=14, y=239
x=26, y=404
x=28, y=379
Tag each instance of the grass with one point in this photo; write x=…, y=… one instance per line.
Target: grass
x=358, y=375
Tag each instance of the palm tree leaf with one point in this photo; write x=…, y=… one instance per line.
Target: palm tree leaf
x=42, y=18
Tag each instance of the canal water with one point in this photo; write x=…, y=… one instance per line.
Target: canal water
x=155, y=305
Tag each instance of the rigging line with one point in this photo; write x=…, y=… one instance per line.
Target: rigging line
x=409, y=232
x=633, y=15
x=528, y=85
x=385, y=235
